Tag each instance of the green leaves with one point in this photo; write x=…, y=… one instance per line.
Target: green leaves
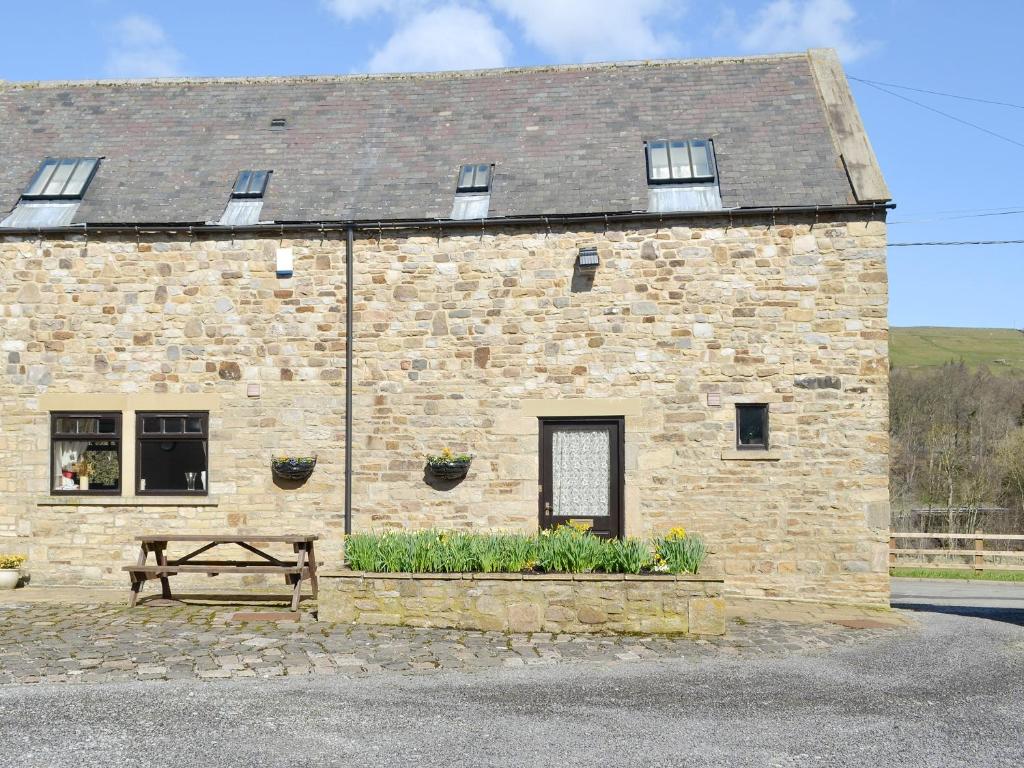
x=627, y=556
x=681, y=555
x=562, y=550
x=568, y=550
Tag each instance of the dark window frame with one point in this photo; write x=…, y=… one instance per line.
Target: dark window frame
x=157, y=437
x=116, y=436
x=57, y=161
x=261, y=178
x=474, y=187
x=617, y=469
x=762, y=446
x=692, y=179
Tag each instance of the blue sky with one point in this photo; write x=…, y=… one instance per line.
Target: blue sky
x=950, y=181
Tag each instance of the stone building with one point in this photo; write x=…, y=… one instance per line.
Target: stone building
x=641, y=295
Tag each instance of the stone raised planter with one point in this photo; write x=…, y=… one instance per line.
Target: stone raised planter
x=584, y=602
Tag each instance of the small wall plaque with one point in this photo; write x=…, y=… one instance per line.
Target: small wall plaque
x=714, y=399
x=252, y=390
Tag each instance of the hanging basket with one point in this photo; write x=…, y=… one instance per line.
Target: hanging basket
x=293, y=467
x=449, y=470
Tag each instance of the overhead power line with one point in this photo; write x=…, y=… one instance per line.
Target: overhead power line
x=965, y=210
x=939, y=93
x=952, y=218
x=958, y=242
x=944, y=114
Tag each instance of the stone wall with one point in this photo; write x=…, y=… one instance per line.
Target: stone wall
x=461, y=341
x=169, y=323
x=512, y=602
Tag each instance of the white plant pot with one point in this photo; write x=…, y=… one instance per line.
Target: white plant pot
x=9, y=577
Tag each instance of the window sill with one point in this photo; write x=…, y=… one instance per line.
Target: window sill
x=128, y=501
x=731, y=454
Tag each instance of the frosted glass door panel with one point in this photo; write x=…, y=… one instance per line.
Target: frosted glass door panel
x=580, y=472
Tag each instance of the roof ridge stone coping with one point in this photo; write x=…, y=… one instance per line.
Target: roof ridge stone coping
x=439, y=75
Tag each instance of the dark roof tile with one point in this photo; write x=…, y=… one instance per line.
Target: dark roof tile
x=563, y=140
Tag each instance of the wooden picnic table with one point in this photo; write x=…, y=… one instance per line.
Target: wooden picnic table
x=301, y=565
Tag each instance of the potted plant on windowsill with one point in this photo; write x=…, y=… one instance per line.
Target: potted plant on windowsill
x=448, y=465
x=293, y=467
x=10, y=570
x=98, y=468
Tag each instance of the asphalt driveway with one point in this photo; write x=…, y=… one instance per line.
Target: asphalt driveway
x=997, y=600
x=948, y=693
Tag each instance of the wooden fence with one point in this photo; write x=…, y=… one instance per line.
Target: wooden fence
x=905, y=556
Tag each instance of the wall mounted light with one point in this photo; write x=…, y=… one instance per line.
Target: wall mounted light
x=588, y=260
x=285, y=262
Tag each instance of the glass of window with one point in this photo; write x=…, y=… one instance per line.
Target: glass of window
x=700, y=153
x=242, y=183
x=80, y=177
x=752, y=427
x=679, y=156
x=466, y=177
x=42, y=177
x=60, y=177
x=657, y=161
x=173, y=453
x=85, y=453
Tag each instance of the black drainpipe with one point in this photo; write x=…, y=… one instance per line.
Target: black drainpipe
x=349, y=337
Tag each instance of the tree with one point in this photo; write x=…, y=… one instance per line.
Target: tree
x=1009, y=458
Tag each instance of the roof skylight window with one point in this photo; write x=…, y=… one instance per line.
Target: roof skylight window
x=674, y=162
x=62, y=178
x=251, y=184
x=474, y=178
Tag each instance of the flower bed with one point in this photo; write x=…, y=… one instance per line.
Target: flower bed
x=516, y=602
x=566, y=580
x=566, y=549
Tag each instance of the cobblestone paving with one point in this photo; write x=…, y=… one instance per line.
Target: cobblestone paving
x=104, y=643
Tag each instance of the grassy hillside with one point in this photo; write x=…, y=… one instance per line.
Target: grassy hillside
x=1001, y=349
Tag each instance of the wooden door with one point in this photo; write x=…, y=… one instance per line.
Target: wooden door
x=581, y=474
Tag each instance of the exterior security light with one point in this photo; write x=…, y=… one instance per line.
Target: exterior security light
x=588, y=259
x=285, y=262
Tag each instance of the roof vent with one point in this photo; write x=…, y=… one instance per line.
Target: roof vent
x=278, y=124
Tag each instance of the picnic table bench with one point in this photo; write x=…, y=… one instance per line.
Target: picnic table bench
x=300, y=566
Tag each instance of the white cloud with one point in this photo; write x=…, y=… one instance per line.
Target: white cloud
x=790, y=25
x=141, y=49
x=350, y=10
x=449, y=37
x=596, y=30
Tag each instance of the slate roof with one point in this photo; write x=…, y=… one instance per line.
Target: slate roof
x=563, y=139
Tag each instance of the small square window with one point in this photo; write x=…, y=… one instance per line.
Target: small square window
x=251, y=184
x=679, y=161
x=752, y=427
x=474, y=178
x=62, y=178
